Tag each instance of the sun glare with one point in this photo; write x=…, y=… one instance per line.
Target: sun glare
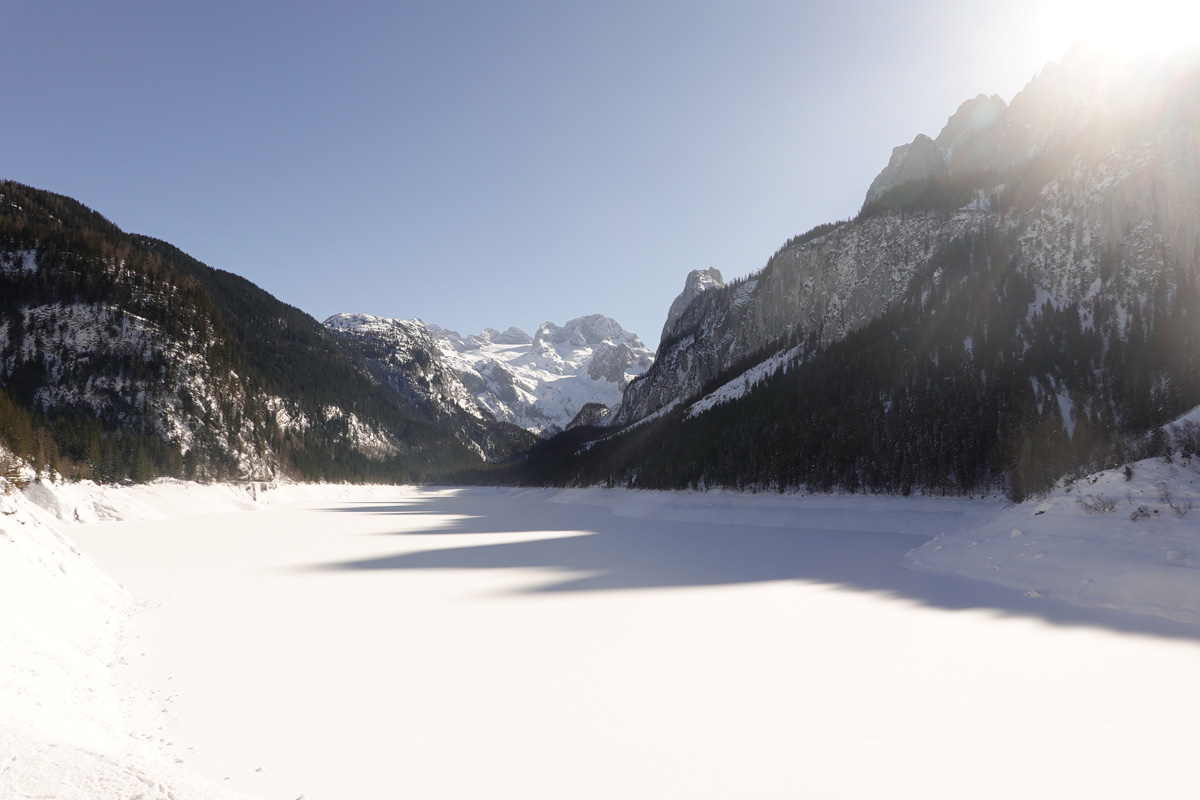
x=1131, y=28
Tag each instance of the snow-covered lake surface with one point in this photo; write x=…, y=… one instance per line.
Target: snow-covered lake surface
x=467, y=643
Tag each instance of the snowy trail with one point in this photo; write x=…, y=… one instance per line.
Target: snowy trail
x=492, y=643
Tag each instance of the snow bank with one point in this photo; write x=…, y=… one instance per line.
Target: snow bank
x=87, y=502
x=67, y=731
x=58, y=617
x=1121, y=540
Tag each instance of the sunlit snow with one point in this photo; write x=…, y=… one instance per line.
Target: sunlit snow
x=331, y=641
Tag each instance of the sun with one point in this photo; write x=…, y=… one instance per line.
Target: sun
x=1143, y=27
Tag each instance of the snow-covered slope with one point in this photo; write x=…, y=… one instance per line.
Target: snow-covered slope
x=543, y=383
x=1119, y=538
x=744, y=382
x=538, y=382
x=405, y=353
x=70, y=729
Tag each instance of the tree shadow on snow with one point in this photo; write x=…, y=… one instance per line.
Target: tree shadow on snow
x=600, y=551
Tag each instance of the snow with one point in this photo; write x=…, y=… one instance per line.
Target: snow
x=646, y=420
x=1066, y=408
x=744, y=293
x=1104, y=541
x=65, y=730
x=1191, y=417
x=335, y=641
x=18, y=261
x=746, y=382
x=541, y=382
x=72, y=338
x=538, y=382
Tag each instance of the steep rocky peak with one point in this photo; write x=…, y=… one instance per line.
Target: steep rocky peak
x=918, y=160
x=697, y=282
x=591, y=414
x=611, y=361
x=345, y=321
x=1104, y=177
x=587, y=331
x=970, y=134
x=1078, y=97
x=973, y=116
x=512, y=335
x=969, y=141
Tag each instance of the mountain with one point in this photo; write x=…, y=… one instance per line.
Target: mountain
x=540, y=382
x=122, y=357
x=407, y=356
x=1015, y=300
x=697, y=281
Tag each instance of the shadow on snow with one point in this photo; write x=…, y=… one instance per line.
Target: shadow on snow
x=608, y=552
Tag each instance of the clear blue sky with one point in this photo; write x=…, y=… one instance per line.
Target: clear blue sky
x=488, y=163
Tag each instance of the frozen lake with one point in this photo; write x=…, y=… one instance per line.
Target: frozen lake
x=491, y=643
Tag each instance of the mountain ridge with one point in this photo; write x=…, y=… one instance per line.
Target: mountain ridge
x=1055, y=239
x=135, y=360
x=1016, y=298
x=539, y=382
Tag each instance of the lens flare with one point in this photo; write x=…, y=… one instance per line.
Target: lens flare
x=1139, y=28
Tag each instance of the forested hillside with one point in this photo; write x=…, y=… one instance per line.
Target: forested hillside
x=1017, y=300
x=122, y=358
x=970, y=384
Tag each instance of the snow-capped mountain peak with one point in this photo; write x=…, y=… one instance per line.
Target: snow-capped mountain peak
x=513, y=335
x=538, y=382
x=584, y=332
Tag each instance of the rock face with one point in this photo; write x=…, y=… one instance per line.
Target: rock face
x=698, y=280
x=513, y=335
x=610, y=362
x=971, y=136
x=538, y=382
x=972, y=140
x=829, y=285
x=915, y=161
x=405, y=354
x=1081, y=106
x=593, y=414
x=1092, y=173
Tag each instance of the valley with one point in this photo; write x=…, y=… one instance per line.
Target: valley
x=909, y=511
